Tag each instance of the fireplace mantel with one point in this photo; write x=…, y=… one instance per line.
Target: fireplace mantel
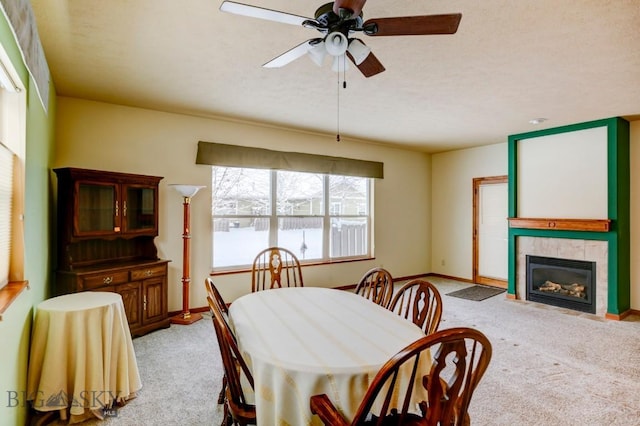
x=591, y=225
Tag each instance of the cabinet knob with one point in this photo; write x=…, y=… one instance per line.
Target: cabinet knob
x=144, y=302
x=107, y=280
x=149, y=272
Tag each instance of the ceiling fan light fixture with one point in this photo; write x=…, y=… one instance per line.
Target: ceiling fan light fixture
x=336, y=43
x=317, y=53
x=358, y=50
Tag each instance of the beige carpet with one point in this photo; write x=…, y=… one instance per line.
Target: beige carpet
x=550, y=366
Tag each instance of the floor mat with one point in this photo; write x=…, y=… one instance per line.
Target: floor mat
x=476, y=292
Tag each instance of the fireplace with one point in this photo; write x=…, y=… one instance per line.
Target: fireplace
x=565, y=283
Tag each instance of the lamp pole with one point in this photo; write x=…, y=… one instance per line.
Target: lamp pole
x=186, y=317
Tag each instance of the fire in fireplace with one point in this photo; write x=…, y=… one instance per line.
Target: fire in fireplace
x=562, y=282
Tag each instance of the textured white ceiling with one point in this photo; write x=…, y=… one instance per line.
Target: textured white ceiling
x=510, y=61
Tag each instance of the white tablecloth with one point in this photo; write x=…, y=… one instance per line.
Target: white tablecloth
x=82, y=356
x=306, y=341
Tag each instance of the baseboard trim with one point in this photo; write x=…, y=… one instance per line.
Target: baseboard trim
x=411, y=277
x=620, y=317
x=194, y=310
x=449, y=277
x=345, y=287
x=395, y=280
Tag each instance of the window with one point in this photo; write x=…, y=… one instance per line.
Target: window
x=12, y=154
x=317, y=216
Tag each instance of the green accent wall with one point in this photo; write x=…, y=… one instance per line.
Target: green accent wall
x=618, y=207
x=15, y=327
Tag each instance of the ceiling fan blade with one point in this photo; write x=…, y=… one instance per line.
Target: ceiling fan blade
x=370, y=66
x=355, y=6
x=262, y=13
x=290, y=55
x=413, y=25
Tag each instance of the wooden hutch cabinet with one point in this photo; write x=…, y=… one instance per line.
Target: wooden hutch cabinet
x=107, y=223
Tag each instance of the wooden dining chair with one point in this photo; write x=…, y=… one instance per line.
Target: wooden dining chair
x=443, y=369
x=237, y=409
x=212, y=291
x=275, y=267
x=376, y=285
x=419, y=301
x=214, y=294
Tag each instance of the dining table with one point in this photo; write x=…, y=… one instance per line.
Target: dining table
x=305, y=341
x=82, y=361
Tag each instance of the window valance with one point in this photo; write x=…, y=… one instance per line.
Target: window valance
x=20, y=16
x=217, y=154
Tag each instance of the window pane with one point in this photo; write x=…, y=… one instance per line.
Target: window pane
x=237, y=241
x=239, y=191
x=348, y=237
x=348, y=195
x=301, y=235
x=300, y=193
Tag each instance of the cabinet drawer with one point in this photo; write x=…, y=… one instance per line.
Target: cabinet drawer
x=151, y=271
x=102, y=280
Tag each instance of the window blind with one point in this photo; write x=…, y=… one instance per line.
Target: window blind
x=6, y=195
x=217, y=154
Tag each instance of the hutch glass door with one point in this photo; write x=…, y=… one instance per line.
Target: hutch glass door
x=97, y=209
x=140, y=208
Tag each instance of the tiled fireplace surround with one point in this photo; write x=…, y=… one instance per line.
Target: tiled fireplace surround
x=565, y=248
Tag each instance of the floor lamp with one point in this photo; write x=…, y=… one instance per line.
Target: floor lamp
x=186, y=317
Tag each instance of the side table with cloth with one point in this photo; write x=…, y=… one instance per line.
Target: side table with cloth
x=306, y=341
x=82, y=356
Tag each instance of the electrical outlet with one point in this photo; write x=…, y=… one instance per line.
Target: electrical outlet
x=442, y=262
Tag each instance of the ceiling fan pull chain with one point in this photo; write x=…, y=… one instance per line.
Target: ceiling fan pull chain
x=342, y=58
x=344, y=71
x=338, y=109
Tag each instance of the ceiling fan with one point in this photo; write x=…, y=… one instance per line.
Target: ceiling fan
x=338, y=21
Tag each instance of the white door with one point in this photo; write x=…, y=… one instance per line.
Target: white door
x=491, y=206
x=492, y=231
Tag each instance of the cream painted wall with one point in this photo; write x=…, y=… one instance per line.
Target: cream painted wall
x=117, y=138
x=452, y=201
x=555, y=186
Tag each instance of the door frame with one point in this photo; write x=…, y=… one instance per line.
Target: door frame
x=477, y=182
